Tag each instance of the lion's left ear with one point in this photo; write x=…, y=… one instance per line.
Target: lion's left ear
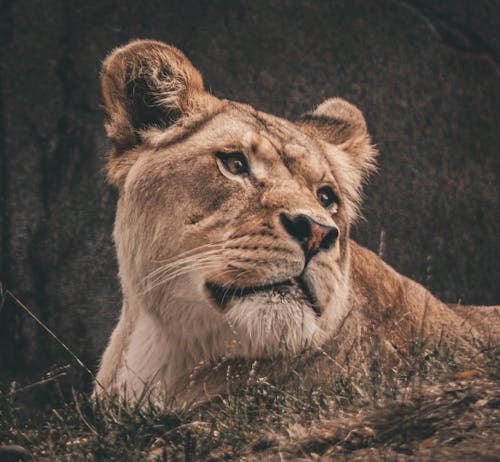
x=352, y=156
x=343, y=125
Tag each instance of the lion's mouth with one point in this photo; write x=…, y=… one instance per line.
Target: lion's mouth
x=291, y=287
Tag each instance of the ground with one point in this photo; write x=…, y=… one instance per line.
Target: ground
x=439, y=402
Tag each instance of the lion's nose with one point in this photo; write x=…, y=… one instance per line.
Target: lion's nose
x=313, y=236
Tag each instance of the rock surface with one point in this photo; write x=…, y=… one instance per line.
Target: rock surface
x=425, y=73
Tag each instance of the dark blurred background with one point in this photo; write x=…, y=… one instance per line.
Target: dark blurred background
x=425, y=73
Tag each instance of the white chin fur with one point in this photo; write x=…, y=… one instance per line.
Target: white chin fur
x=267, y=325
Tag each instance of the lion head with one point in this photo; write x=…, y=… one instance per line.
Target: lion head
x=232, y=225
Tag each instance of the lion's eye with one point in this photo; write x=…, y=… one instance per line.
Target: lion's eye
x=328, y=198
x=234, y=162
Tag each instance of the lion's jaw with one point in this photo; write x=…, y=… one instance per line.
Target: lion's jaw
x=178, y=327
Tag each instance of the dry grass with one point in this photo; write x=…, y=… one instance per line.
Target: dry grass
x=436, y=402
x=434, y=405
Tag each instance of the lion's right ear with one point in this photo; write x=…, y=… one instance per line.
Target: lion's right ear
x=146, y=84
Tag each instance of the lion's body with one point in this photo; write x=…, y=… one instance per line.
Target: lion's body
x=232, y=232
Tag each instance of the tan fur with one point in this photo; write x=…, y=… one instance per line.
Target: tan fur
x=184, y=221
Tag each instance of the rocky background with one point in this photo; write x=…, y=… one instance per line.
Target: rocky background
x=425, y=73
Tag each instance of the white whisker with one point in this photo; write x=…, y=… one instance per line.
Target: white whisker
x=187, y=252
x=181, y=272
x=182, y=261
x=186, y=264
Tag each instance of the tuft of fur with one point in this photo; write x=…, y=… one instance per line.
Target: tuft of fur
x=269, y=328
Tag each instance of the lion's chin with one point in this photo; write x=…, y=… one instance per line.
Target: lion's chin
x=273, y=322
x=293, y=289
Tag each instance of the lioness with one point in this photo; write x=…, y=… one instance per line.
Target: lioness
x=232, y=231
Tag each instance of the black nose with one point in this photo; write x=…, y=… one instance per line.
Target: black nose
x=313, y=236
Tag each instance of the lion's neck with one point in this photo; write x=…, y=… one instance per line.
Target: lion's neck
x=163, y=352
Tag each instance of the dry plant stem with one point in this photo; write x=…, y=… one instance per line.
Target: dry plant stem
x=52, y=334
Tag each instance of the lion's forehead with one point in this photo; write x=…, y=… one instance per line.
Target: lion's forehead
x=229, y=129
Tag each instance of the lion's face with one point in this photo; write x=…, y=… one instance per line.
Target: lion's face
x=228, y=216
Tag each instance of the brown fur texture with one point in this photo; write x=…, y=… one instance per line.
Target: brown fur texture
x=187, y=223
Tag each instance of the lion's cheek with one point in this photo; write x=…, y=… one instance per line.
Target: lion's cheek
x=329, y=283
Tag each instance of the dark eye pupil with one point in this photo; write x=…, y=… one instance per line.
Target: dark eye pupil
x=326, y=196
x=237, y=166
x=234, y=163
